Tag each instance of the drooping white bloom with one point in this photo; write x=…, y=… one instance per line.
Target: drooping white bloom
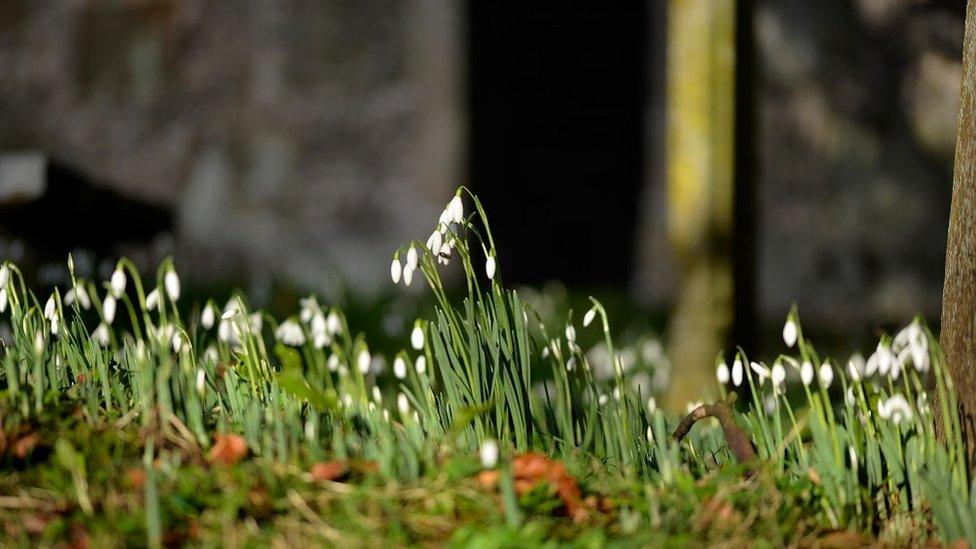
x=651, y=405
x=100, y=335
x=377, y=395
x=332, y=323
x=603, y=399
x=108, y=309
x=922, y=402
x=896, y=408
x=650, y=435
x=363, y=360
x=778, y=375
x=403, y=405
x=434, y=242
x=333, y=363
x=290, y=332
x=761, y=371
x=77, y=293
x=571, y=364
x=117, y=282
x=309, y=307
x=570, y=333
x=490, y=267
x=396, y=269
x=722, y=373
x=855, y=367
x=320, y=332
x=588, y=317
x=411, y=259
x=880, y=361
x=489, y=454
x=49, y=308
x=456, y=208
x=4, y=275
x=444, y=256
x=421, y=364
x=417, y=337
x=789, y=332
x=211, y=354
x=408, y=275
x=849, y=397
x=3, y=299
x=737, y=372
x=806, y=373
x=201, y=382
x=826, y=375
x=54, y=325
x=171, y=281
x=255, y=321
x=399, y=368
x=208, y=316
x=152, y=300
x=228, y=332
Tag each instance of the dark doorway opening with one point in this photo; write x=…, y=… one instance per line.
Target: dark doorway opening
x=557, y=96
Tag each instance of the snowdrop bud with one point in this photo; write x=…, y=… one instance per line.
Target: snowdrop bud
x=38, y=343
x=421, y=364
x=108, y=309
x=588, y=317
x=408, y=275
x=403, y=405
x=603, y=399
x=54, y=325
x=490, y=267
x=417, y=337
x=806, y=373
x=332, y=323
x=855, y=367
x=778, y=374
x=651, y=405
x=309, y=431
x=3, y=299
x=152, y=300
x=737, y=372
x=377, y=395
x=789, y=332
x=722, y=373
x=396, y=270
x=363, y=360
x=399, y=368
x=333, y=363
x=207, y=317
x=201, y=382
x=826, y=375
x=570, y=333
x=117, y=282
x=49, y=308
x=489, y=454
x=849, y=397
x=100, y=335
x=4, y=275
x=172, y=283
x=457, y=209
x=411, y=258
x=650, y=435
x=571, y=364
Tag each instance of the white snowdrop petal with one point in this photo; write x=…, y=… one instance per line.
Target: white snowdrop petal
x=207, y=317
x=588, y=317
x=395, y=271
x=399, y=368
x=488, y=454
x=108, y=309
x=117, y=282
x=826, y=375
x=737, y=372
x=417, y=337
x=722, y=373
x=172, y=283
x=806, y=373
x=490, y=267
x=421, y=364
x=790, y=333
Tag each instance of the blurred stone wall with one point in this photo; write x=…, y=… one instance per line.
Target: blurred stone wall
x=857, y=121
x=304, y=139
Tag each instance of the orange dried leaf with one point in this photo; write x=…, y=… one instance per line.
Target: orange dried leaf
x=228, y=449
x=329, y=470
x=25, y=445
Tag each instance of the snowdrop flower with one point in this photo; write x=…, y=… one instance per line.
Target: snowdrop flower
x=588, y=317
x=408, y=275
x=651, y=405
x=722, y=373
x=761, y=371
x=332, y=323
x=456, y=208
x=54, y=325
x=210, y=354
x=108, y=309
x=434, y=242
x=489, y=454
x=171, y=281
x=333, y=363
x=411, y=259
x=3, y=299
x=444, y=256
x=806, y=373
x=570, y=333
x=571, y=364
x=399, y=368
x=4, y=275
x=770, y=404
x=377, y=395
x=417, y=337
x=855, y=367
x=363, y=360
x=922, y=402
x=737, y=372
x=49, y=308
x=207, y=317
x=320, y=335
x=152, y=300
x=912, y=342
x=789, y=332
x=849, y=397
x=100, y=335
x=826, y=375
x=896, y=408
x=309, y=307
x=117, y=282
x=255, y=321
x=490, y=267
x=403, y=405
x=603, y=399
x=290, y=332
x=228, y=332
x=201, y=382
x=650, y=435
x=421, y=364
x=396, y=269
x=77, y=293
x=881, y=360
x=778, y=375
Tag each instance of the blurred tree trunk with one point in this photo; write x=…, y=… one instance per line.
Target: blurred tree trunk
x=958, y=337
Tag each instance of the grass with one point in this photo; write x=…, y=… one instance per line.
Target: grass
x=165, y=428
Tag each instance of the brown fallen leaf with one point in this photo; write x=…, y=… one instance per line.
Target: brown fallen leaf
x=339, y=469
x=529, y=469
x=26, y=444
x=228, y=449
